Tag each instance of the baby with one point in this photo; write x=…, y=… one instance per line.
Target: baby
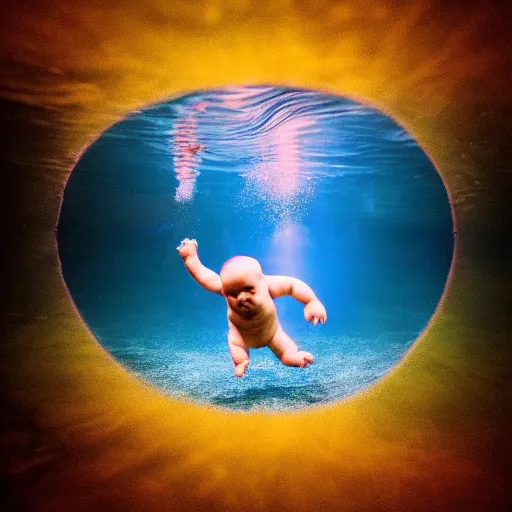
x=252, y=316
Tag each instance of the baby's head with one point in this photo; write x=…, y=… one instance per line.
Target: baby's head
x=241, y=269
x=241, y=278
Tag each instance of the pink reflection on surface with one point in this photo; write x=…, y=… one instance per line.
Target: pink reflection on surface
x=280, y=180
x=279, y=177
x=238, y=99
x=186, y=149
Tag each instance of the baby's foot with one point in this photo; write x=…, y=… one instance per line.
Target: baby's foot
x=241, y=367
x=305, y=359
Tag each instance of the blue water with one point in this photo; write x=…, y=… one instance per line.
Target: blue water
x=315, y=186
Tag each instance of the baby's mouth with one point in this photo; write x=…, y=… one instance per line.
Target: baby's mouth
x=246, y=311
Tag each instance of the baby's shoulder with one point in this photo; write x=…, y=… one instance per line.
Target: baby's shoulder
x=278, y=285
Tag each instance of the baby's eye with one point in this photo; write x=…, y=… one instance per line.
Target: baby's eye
x=248, y=288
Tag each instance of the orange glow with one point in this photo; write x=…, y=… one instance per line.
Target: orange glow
x=84, y=433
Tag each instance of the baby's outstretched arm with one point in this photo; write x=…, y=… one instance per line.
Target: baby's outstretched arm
x=314, y=310
x=207, y=278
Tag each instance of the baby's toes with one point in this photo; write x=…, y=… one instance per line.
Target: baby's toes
x=307, y=358
x=240, y=368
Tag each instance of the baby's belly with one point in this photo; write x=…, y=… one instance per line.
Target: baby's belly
x=256, y=334
x=258, y=340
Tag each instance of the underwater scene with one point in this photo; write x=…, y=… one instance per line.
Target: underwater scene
x=313, y=186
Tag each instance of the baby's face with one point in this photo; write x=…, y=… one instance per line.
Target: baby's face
x=241, y=286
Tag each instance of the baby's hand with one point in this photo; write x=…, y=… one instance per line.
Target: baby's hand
x=314, y=312
x=187, y=247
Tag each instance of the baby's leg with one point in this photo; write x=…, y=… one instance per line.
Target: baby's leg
x=287, y=351
x=239, y=352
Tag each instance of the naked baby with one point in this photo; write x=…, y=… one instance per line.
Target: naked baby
x=252, y=316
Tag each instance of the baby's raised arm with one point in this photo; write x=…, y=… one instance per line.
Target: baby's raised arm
x=207, y=278
x=314, y=310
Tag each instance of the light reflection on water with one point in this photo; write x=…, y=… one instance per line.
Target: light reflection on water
x=314, y=186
